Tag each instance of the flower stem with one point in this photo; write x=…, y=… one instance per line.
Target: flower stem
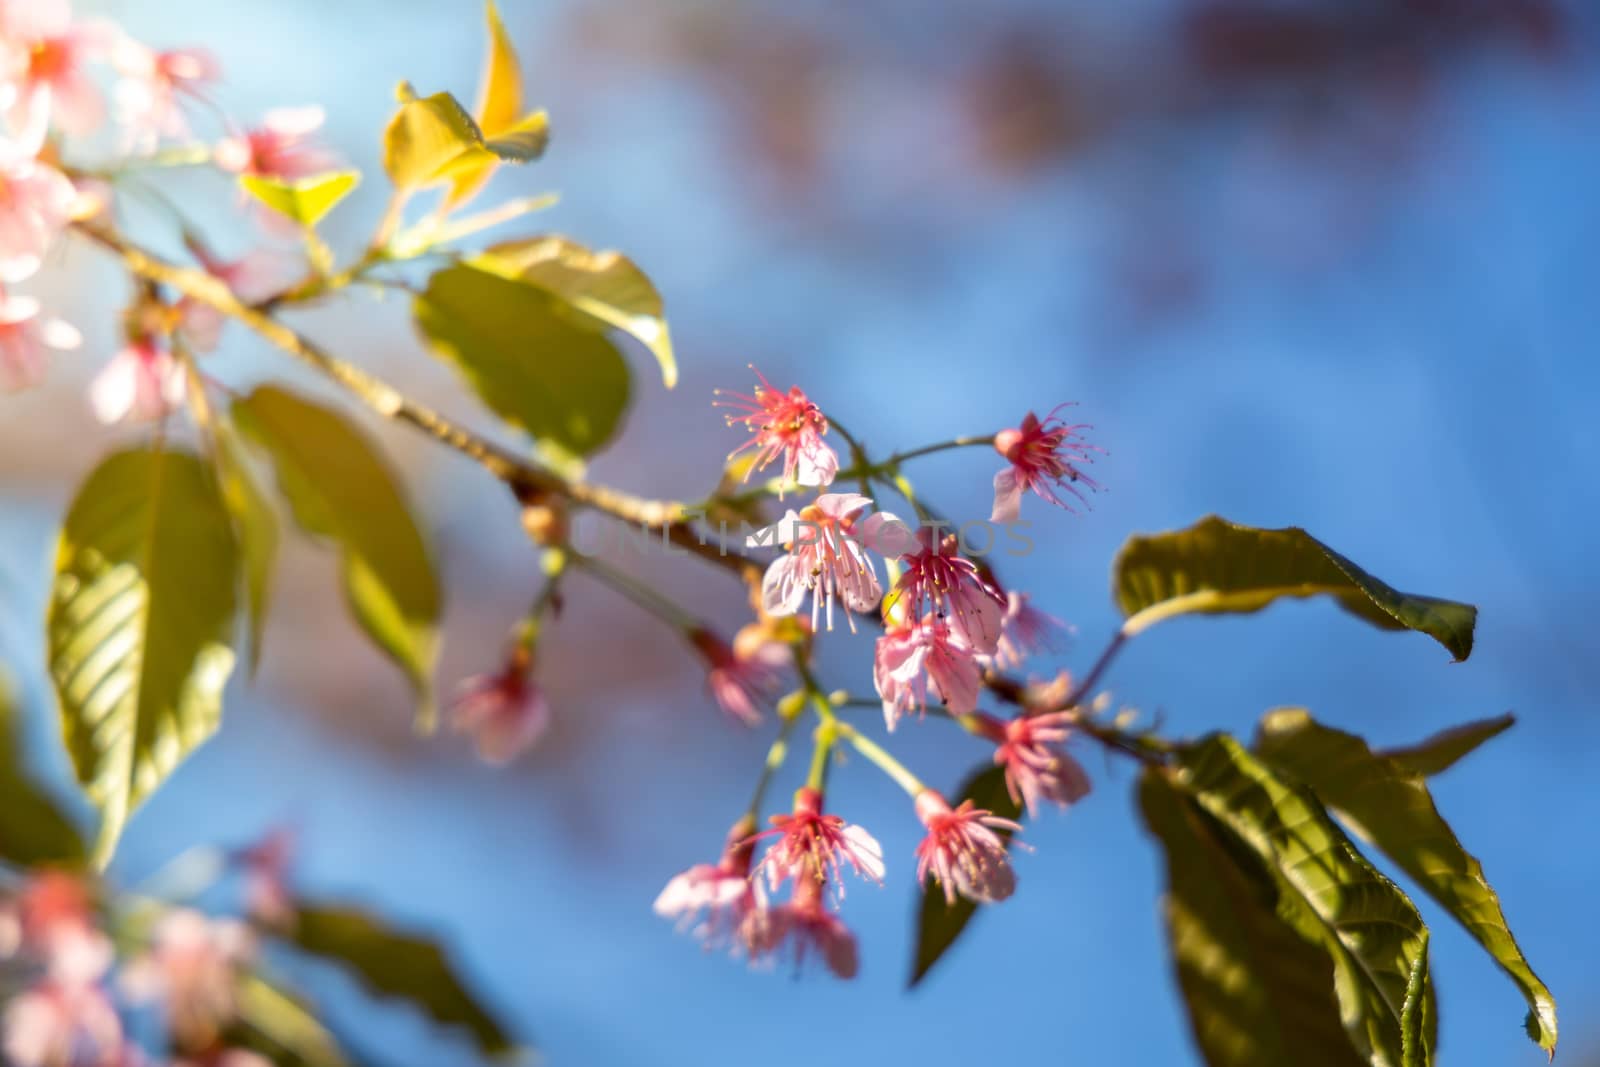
x=776, y=755
x=645, y=596
x=885, y=762
x=827, y=734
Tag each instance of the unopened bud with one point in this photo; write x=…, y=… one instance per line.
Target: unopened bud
x=546, y=523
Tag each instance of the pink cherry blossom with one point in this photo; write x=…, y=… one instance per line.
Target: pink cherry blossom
x=742, y=677
x=787, y=425
x=827, y=558
x=143, y=382
x=191, y=968
x=46, y=58
x=1024, y=631
x=254, y=277
x=505, y=712
x=814, y=847
x=1037, y=767
x=719, y=901
x=24, y=336
x=939, y=582
x=154, y=84
x=909, y=659
x=803, y=927
x=52, y=919
x=36, y=201
x=963, y=851
x=1044, y=457
x=283, y=146
x=56, y=1024
x=226, y=1057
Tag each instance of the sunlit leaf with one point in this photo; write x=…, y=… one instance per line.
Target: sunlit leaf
x=1416, y=1026
x=400, y=964
x=432, y=139
x=255, y=527
x=499, y=111
x=532, y=360
x=276, y=1025
x=33, y=829
x=340, y=487
x=1259, y=993
x=139, y=625
x=606, y=287
x=1387, y=803
x=939, y=924
x=303, y=200
x=1329, y=893
x=1439, y=753
x=1216, y=566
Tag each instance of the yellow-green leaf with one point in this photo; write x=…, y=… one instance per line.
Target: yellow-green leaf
x=139, y=625
x=607, y=287
x=1437, y=754
x=499, y=108
x=304, y=200
x=1216, y=566
x=1416, y=1016
x=274, y=1024
x=939, y=923
x=1388, y=803
x=255, y=527
x=1329, y=893
x=401, y=964
x=1259, y=993
x=533, y=360
x=339, y=487
x=33, y=829
x=432, y=139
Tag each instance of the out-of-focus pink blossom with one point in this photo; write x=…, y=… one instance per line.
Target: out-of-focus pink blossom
x=141, y=383
x=265, y=867
x=283, y=146
x=154, y=85
x=908, y=659
x=1037, y=767
x=804, y=927
x=963, y=851
x=36, y=201
x=225, y=1057
x=52, y=920
x=505, y=712
x=719, y=901
x=56, y=1024
x=1024, y=631
x=24, y=336
x=827, y=558
x=743, y=676
x=1043, y=457
x=786, y=425
x=44, y=60
x=814, y=847
x=253, y=277
x=191, y=968
x=938, y=582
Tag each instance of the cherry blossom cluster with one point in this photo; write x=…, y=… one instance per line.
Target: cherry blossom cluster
x=83, y=79
x=947, y=626
x=61, y=938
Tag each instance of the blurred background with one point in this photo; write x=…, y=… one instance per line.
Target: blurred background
x=1327, y=264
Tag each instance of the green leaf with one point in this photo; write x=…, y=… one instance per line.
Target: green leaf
x=1259, y=993
x=1216, y=567
x=1416, y=1026
x=605, y=287
x=1388, y=803
x=255, y=528
x=276, y=1025
x=305, y=200
x=33, y=829
x=340, y=487
x=534, y=362
x=398, y=964
x=939, y=924
x=1440, y=752
x=139, y=625
x=433, y=139
x=1329, y=892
